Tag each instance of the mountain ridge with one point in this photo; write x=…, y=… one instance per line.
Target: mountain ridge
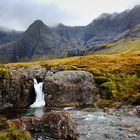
x=42, y=42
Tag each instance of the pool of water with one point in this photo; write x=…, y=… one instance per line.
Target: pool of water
x=13, y=113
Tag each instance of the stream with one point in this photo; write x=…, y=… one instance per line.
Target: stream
x=92, y=124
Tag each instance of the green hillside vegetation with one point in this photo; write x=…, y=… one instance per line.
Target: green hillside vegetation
x=117, y=76
x=130, y=42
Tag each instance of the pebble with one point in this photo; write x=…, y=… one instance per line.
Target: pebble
x=131, y=135
x=88, y=135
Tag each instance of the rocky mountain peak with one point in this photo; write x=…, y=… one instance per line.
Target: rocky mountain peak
x=37, y=26
x=35, y=30
x=41, y=41
x=38, y=22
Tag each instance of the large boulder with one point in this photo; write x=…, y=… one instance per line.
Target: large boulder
x=56, y=124
x=65, y=88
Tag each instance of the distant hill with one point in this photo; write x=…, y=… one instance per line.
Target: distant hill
x=129, y=42
x=8, y=35
x=42, y=42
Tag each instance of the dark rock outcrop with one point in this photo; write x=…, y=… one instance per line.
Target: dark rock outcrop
x=67, y=87
x=59, y=125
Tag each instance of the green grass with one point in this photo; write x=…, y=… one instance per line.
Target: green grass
x=130, y=42
x=120, y=46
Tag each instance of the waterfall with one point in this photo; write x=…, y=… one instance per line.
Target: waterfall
x=39, y=101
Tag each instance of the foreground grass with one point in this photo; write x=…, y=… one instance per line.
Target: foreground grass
x=9, y=131
x=117, y=76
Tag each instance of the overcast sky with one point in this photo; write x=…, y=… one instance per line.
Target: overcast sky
x=19, y=14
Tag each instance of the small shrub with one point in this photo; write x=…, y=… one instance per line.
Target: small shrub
x=100, y=79
x=104, y=103
x=3, y=72
x=8, y=131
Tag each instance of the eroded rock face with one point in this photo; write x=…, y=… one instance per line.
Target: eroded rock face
x=15, y=91
x=16, y=88
x=56, y=124
x=66, y=87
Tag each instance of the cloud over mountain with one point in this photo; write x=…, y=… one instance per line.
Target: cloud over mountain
x=19, y=14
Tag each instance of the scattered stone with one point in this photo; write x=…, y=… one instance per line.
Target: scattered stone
x=131, y=135
x=138, y=110
x=107, y=135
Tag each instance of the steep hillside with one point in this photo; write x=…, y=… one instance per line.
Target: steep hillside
x=129, y=42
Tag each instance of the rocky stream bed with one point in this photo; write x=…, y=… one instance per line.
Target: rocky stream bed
x=99, y=125
x=94, y=123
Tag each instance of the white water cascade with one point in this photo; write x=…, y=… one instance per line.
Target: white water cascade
x=39, y=101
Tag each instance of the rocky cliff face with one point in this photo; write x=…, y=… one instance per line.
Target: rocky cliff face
x=42, y=42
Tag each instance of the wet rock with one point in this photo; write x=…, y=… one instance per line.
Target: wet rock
x=66, y=87
x=131, y=135
x=56, y=124
x=138, y=110
x=132, y=112
x=107, y=135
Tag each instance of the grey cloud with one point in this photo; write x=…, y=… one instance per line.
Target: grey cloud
x=19, y=14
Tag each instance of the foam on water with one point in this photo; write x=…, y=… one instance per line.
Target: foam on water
x=39, y=101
